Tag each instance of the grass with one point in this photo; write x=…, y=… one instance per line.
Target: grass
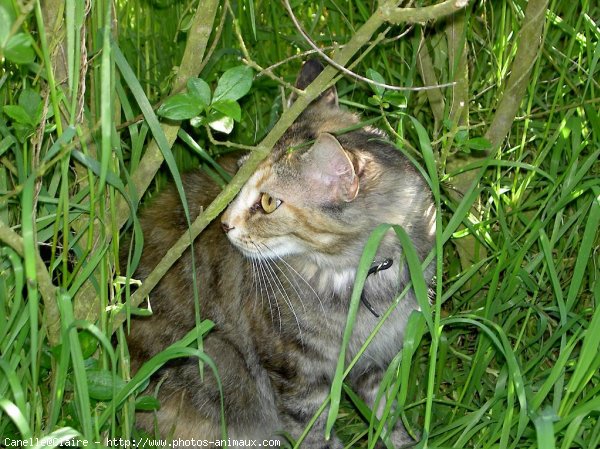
x=507, y=354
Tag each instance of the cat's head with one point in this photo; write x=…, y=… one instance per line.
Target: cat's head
x=322, y=190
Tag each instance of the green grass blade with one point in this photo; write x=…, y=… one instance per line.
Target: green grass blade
x=58, y=438
x=20, y=421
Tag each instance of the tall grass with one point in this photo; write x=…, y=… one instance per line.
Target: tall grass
x=507, y=354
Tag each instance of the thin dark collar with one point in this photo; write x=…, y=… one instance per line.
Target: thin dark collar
x=387, y=263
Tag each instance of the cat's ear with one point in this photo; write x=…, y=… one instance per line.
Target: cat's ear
x=328, y=165
x=309, y=72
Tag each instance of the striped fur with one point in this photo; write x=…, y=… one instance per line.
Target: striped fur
x=277, y=285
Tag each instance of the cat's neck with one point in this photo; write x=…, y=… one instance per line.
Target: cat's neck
x=334, y=277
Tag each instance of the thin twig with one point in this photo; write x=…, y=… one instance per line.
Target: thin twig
x=350, y=72
x=227, y=143
x=306, y=53
x=250, y=62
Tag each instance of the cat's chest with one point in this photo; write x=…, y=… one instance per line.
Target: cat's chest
x=308, y=315
x=384, y=338
x=321, y=326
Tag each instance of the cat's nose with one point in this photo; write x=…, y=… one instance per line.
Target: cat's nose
x=226, y=227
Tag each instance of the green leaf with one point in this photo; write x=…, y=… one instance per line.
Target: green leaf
x=147, y=403
x=461, y=136
x=478, y=144
x=186, y=23
x=140, y=311
x=88, y=343
x=234, y=84
x=18, y=49
x=101, y=383
x=222, y=123
x=198, y=88
x=375, y=100
x=181, y=107
x=31, y=101
x=230, y=108
x=396, y=98
x=18, y=114
x=5, y=25
x=376, y=76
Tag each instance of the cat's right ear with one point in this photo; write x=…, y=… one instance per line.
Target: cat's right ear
x=309, y=72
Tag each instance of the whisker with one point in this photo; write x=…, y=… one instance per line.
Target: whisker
x=292, y=282
x=284, y=294
x=293, y=270
x=263, y=288
x=268, y=279
x=256, y=287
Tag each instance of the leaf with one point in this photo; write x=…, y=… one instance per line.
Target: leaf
x=5, y=24
x=396, y=98
x=375, y=100
x=147, y=403
x=223, y=124
x=234, y=84
x=230, y=108
x=186, y=23
x=18, y=114
x=181, y=107
x=18, y=49
x=461, y=136
x=478, y=144
x=197, y=121
x=31, y=101
x=198, y=88
x=23, y=132
x=88, y=343
x=101, y=382
x=376, y=76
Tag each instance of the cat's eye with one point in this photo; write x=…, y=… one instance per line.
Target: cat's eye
x=268, y=203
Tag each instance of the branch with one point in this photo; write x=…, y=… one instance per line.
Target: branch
x=459, y=68
x=45, y=286
x=421, y=15
x=348, y=72
x=361, y=37
x=527, y=52
x=470, y=250
x=427, y=72
x=191, y=65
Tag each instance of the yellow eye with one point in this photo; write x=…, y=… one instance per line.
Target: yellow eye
x=268, y=203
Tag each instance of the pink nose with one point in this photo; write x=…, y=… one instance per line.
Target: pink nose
x=226, y=227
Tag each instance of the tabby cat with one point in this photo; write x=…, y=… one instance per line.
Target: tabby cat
x=276, y=273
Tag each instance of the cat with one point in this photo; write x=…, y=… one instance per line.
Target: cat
x=275, y=275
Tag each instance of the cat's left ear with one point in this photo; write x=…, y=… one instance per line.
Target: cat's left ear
x=328, y=165
x=308, y=73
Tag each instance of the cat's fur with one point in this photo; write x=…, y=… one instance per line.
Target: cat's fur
x=277, y=285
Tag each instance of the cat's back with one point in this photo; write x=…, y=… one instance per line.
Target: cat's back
x=163, y=221
x=172, y=301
